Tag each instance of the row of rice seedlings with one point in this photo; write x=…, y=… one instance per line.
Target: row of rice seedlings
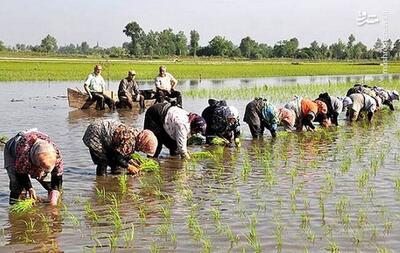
x=246, y=167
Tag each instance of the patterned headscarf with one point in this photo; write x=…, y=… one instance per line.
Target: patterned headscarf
x=124, y=139
x=146, y=142
x=197, y=123
x=322, y=107
x=286, y=115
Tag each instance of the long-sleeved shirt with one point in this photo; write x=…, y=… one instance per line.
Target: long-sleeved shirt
x=253, y=114
x=128, y=88
x=177, y=126
x=100, y=137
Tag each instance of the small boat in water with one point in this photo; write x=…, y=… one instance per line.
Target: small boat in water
x=80, y=100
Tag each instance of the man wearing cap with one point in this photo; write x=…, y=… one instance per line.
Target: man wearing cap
x=128, y=91
x=32, y=154
x=95, y=86
x=165, y=87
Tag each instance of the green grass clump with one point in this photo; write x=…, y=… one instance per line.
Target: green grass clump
x=146, y=164
x=22, y=206
x=201, y=155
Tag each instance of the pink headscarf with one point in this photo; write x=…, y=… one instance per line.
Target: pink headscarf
x=146, y=142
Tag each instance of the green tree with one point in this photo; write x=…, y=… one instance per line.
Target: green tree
x=194, y=42
x=395, y=53
x=249, y=48
x=166, y=42
x=181, y=43
x=338, y=50
x=151, y=46
x=2, y=47
x=136, y=33
x=219, y=46
x=378, y=49
x=48, y=44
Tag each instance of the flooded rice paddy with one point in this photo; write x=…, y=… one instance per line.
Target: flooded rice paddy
x=329, y=191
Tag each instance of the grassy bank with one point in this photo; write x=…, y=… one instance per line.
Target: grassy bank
x=78, y=69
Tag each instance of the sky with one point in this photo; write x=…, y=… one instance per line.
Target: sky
x=102, y=21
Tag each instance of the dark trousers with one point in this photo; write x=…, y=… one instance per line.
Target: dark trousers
x=153, y=121
x=162, y=96
x=100, y=100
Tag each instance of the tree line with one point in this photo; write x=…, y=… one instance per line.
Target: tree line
x=156, y=44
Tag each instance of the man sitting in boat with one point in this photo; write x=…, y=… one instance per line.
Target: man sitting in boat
x=94, y=86
x=165, y=87
x=128, y=92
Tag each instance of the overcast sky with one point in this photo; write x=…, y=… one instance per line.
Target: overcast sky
x=102, y=21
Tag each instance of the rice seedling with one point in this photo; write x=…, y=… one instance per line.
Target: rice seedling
x=142, y=214
x=252, y=238
x=101, y=193
x=194, y=227
x=115, y=217
x=293, y=174
x=305, y=220
x=73, y=219
x=310, y=235
x=374, y=166
x=382, y=249
x=233, y=239
x=278, y=235
x=23, y=206
x=30, y=225
x=359, y=152
x=362, y=218
x=166, y=213
x=163, y=230
x=3, y=140
x=346, y=164
x=246, y=167
x=113, y=241
x=90, y=213
x=387, y=226
x=154, y=248
x=363, y=179
x=216, y=214
x=397, y=184
x=123, y=183
x=129, y=236
x=333, y=247
x=341, y=205
x=207, y=246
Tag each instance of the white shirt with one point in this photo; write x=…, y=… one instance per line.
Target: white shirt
x=95, y=83
x=164, y=82
x=177, y=126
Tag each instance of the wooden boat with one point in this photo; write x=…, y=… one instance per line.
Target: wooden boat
x=80, y=100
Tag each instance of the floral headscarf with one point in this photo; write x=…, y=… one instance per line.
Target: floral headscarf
x=124, y=139
x=146, y=142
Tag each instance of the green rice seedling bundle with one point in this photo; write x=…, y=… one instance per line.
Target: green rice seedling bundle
x=201, y=155
x=146, y=164
x=219, y=141
x=22, y=206
x=3, y=139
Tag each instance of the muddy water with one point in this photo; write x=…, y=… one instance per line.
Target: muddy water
x=298, y=190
